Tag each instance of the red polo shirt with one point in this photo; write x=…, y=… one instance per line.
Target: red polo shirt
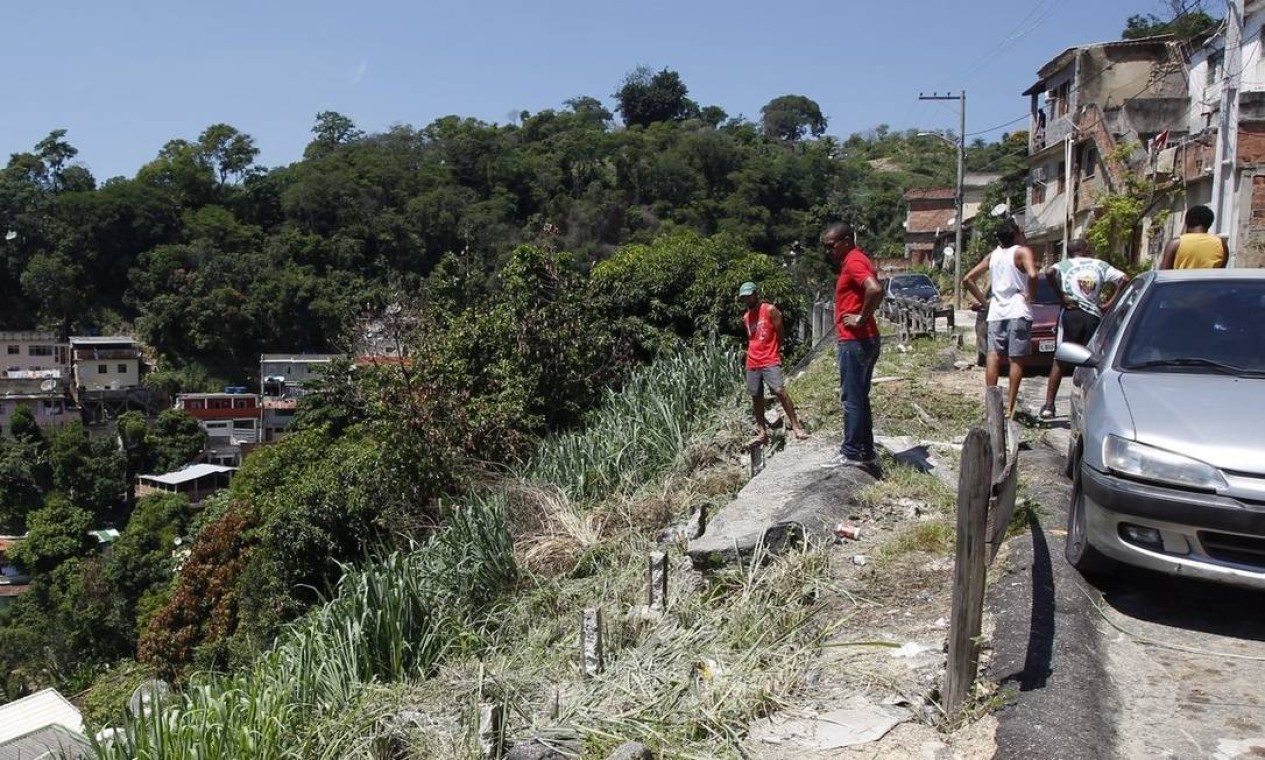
x=850, y=295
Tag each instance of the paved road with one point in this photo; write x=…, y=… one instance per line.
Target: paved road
x=1140, y=666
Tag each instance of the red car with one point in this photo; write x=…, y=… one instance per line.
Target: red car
x=1045, y=323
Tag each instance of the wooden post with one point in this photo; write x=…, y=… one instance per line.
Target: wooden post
x=757, y=459
x=969, y=569
x=995, y=419
x=491, y=731
x=591, y=660
x=658, y=581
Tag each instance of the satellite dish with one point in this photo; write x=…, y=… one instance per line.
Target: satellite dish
x=948, y=250
x=48, y=385
x=147, y=696
x=1001, y=209
x=10, y=235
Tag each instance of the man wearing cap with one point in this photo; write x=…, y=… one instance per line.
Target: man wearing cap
x=764, y=361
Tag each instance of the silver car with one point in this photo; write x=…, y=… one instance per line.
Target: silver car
x=1167, y=453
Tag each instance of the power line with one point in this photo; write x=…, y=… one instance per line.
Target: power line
x=999, y=126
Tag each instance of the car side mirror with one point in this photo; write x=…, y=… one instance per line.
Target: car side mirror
x=1075, y=355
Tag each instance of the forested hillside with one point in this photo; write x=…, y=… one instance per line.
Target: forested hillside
x=529, y=267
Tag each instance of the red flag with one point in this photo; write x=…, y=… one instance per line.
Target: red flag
x=1159, y=142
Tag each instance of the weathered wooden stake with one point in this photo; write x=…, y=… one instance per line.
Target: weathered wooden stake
x=658, y=581
x=591, y=642
x=491, y=731
x=757, y=459
x=969, y=569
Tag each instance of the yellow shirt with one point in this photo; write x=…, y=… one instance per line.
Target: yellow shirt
x=1199, y=250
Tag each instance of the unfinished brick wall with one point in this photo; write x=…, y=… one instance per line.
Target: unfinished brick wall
x=1251, y=251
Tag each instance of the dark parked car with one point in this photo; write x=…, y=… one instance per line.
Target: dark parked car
x=918, y=287
x=1045, y=324
x=1167, y=455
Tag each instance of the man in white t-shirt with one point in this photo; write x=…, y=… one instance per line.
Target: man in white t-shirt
x=1078, y=280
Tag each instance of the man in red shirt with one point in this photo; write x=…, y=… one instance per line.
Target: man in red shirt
x=764, y=361
x=857, y=298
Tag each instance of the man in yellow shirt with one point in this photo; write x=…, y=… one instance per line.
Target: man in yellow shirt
x=1197, y=248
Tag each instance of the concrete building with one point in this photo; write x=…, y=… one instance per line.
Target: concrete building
x=231, y=421
x=43, y=392
x=1192, y=160
x=197, y=481
x=283, y=378
x=35, y=351
x=931, y=216
x=106, y=363
x=1088, y=103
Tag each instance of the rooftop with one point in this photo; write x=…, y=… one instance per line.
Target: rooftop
x=102, y=340
x=188, y=474
x=40, y=710
x=25, y=335
x=932, y=220
x=46, y=743
x=301, y=358
x=930, y=193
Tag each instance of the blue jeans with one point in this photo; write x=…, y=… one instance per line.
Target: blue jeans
x=856, y=370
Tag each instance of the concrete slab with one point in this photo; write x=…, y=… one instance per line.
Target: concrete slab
x=793, y=497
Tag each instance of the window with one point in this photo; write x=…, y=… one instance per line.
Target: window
x=1062, y=94
x=1090, y=162
x=1214, y=66
x=103, y=369
x=122, y=369
x=243, y=424
x=1038, y=193
x=14, y=350
x=1062, y=181
x=241, y=403
x=39, y=351
x=1109, y=328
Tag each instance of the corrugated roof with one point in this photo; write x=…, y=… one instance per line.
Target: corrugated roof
x=930, y=194
x=192, y=472
x=46, y=744
x=41, y=709
x=101, y=340
x=300, y=358
x=929, y=221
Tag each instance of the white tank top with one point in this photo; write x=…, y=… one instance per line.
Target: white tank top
x=1010, y=287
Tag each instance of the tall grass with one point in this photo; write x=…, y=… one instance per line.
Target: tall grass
x=641, y=429
x=394, y=619
x=398, y=618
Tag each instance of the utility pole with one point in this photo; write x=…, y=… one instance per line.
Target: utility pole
x=958, y=200
x=1224, y=170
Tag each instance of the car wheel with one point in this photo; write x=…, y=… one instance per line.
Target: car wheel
x=1080, y=554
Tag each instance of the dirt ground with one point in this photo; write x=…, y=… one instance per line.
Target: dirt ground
x=890, y=612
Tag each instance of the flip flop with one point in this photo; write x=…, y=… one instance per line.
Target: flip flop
x=1047, y=412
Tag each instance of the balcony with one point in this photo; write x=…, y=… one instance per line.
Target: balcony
x=1051, y=134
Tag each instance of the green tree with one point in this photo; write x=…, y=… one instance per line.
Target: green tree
x=646, y=97
x=792, y=117
x=23, y=428
x=55, y=533
x=175, y=440
x=1189, y=20
x=228, y=151
x=88, y=471
x=56, y=283
x=332, y=130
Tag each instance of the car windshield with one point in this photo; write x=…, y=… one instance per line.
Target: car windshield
x=910, y=281
x=1202, y=326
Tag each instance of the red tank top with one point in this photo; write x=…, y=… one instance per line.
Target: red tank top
x=762, y=339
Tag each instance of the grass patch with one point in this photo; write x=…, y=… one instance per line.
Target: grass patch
x=929, y=537
x=903, y=482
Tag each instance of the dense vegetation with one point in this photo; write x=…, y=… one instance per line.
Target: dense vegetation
x=525, y=268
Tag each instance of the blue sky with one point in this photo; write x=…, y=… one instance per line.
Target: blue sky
x=125, y=77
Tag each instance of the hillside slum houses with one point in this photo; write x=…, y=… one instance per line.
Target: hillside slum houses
x=1143, y=118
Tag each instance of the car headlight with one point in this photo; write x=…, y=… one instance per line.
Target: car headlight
x=1138, y=460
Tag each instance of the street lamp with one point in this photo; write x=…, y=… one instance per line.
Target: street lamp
x=960, y=146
